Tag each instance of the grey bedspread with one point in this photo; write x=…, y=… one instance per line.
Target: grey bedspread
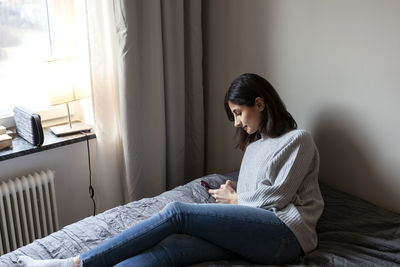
x=351, y=232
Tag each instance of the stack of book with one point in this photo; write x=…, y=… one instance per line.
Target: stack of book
x=5, y=139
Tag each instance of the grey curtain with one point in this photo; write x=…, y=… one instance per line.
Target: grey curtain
x=161, y=94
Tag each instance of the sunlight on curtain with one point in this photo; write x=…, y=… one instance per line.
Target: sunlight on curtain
x=104, y=70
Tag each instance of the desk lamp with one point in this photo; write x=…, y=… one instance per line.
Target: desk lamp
x=72, y=78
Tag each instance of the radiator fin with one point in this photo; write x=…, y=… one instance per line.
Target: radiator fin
x=28, y=210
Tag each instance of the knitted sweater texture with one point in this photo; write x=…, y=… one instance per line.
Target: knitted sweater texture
x=281, y=174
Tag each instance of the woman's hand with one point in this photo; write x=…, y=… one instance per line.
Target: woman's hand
x=225, y=194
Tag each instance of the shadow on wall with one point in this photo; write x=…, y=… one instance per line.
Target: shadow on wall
x=347, y=157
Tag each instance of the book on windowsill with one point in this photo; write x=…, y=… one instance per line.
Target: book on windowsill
x=5, y=141
x=3, y=129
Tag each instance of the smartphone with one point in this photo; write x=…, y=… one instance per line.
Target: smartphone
x=206, y=185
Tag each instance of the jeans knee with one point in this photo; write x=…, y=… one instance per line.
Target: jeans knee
x=174, y=207
x=177, y=212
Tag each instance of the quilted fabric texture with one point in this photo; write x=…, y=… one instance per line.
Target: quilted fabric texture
x=351, y=232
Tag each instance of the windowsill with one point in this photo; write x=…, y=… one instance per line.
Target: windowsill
x=22, y=147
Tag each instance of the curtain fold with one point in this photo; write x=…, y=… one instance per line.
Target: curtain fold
x=160, y=93
x=147, y=88
x=103, y=53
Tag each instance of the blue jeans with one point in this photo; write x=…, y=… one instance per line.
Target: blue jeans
x=184, y=234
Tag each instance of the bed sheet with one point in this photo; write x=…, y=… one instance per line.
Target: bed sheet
x=351, y=232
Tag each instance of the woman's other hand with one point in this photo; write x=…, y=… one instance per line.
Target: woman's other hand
x=226, y=193
x=229, y=183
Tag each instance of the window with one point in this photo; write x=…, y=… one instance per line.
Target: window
x=33, y=34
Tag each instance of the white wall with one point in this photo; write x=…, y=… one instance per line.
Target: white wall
x=336, y=65
x=71, y=179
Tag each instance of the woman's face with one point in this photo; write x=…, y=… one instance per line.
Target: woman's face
x=248, y=118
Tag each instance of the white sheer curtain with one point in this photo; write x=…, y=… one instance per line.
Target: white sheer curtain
x=149, y=115
x=108, y=167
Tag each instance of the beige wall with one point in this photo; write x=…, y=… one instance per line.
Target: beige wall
x=70, y=163
x=336, y=65
x=71, y=178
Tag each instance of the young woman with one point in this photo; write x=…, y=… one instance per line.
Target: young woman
x=268, y=218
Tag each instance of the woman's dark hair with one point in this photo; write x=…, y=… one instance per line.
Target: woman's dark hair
x=275, y=121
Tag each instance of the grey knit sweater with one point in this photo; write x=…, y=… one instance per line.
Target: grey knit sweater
x=281, y=174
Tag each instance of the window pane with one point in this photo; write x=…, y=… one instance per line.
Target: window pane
x=34, y=33
x=24, y=43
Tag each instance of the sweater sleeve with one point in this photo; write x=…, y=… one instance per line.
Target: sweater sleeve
x=284, y=174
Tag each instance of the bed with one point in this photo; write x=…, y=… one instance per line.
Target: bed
x=351, y=232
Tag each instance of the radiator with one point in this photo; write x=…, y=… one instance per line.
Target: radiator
x=28, y=210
